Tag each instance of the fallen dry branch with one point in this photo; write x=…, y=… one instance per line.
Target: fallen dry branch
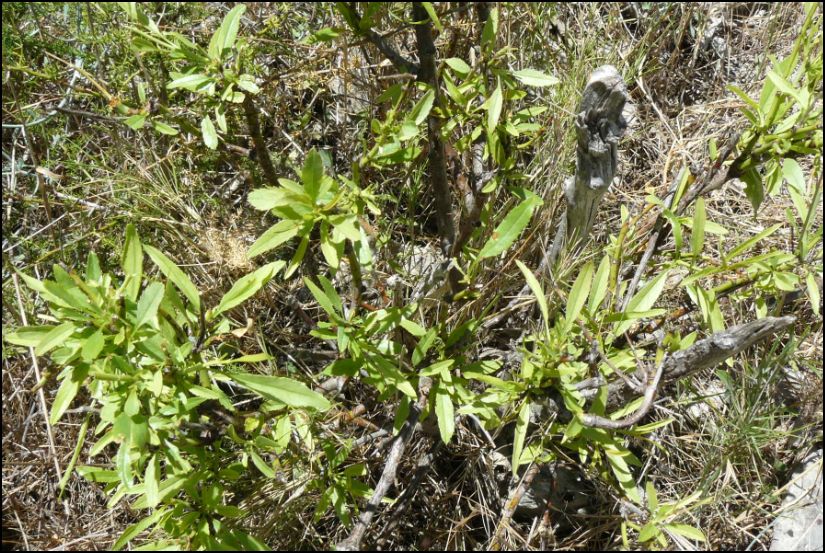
x=353, y=542
x=703, y=354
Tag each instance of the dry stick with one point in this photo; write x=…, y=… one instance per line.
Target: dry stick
x=650, y=394
x=513, y=502
x=261, y=151
x=703, y=354
x=437, y=159
x=353, y=542
x=43, y=408
x=474, y=198
x=405, y=499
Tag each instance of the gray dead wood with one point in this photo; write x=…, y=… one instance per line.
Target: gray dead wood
x=599, y=126
x=702, y=355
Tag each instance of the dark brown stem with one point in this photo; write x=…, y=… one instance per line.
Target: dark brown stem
x=261, y=151
x=398, y=61
x=437, y=158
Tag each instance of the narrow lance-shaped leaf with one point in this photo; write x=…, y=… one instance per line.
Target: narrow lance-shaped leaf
x=321, y=297
x=494, y=105
x=535, y=286
x=312, y=173
x=67, y=392
x=697, y=237
x=643, y=300
x=174, y=274
x=532, y=77
x=510, y=228
x=147, y=307
x=132, y=263
x=578, y=295
x=285, y=390
x=247, y=286
x=422, y=108
x=520, y=434
x=599, y=290
x=54, y=338
x=224, y=37
x=446, y=415
x=276, y=235
x=210, y=135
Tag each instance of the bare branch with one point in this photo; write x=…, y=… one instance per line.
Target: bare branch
x=353, y=542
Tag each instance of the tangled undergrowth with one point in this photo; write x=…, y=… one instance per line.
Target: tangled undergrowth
x=298, y=275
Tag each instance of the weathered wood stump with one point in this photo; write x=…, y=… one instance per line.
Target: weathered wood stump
x=599, y=127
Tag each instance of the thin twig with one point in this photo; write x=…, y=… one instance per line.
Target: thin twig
x=353, y=542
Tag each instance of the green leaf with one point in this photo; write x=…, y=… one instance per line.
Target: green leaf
x=754, y=189
x=321, y=297
x=210, y=136
x=147, y=307
x=55, y=337
x=265, y=199
x=163, y=128
x=285, y=390
x=535, y=286
x=247, y=82
x=532, y=77
x=265, y=469
x=697, y=237
x=276, y=235
x=428, y=7
x=643, y=300
x=132, y=531
x=520, y=434
x=446, y=415
x=783, y=85
x=330, y=292
x=510, y=228
x=652, y=499
x=224, y=37
x=151, y=482
x=192, y=82
x=459, y=66
x=136, y=121
x=422, y=108
x=66, y=393
x=93, y=273
x=332, y=251
x=92, y=346
x=648, y=532
x=313, y=173
x=488, y=34
x=623, y=474
x=132, y=263
x=746, y=245
x=687, y=531
x=326, y=34
x=793, y=174
x=247, y=286
x=813, y=293
x=174, y=274
x=599, y=290
x=493, y=105
x=29, y=336
x=578, y=295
